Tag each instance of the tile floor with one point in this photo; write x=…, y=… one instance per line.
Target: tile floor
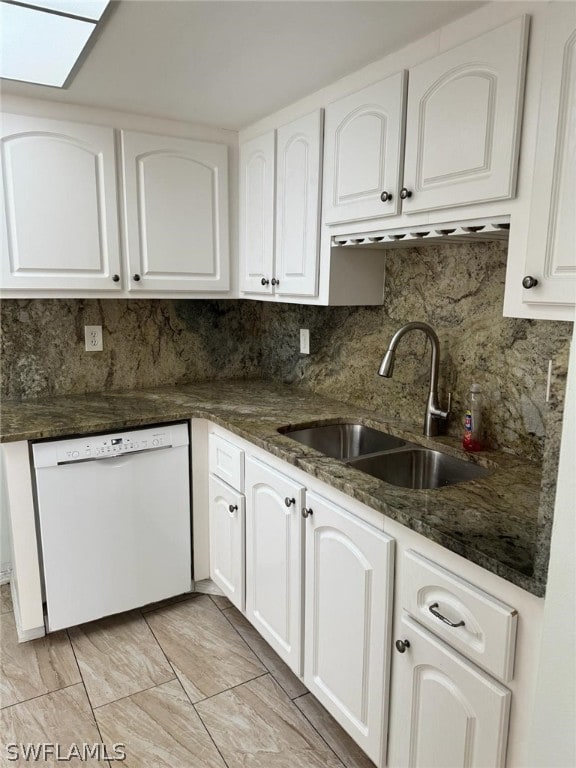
x=186, y=683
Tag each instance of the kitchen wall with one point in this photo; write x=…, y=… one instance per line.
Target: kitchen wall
x=457, y=288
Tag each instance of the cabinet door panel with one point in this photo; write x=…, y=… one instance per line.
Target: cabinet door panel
x=227, y=562
x=274, y=559
x=176, y=210
x=257, y=214
x=348, y=612
x=447, y=712
x=362, y=159
x=298, y=205
x=59, y=210
x=551, y=255
x=463, y=121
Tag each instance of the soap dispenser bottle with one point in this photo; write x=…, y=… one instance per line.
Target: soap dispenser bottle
x=472, y=440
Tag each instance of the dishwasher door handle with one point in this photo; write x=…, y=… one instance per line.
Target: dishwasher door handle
x=116, y=456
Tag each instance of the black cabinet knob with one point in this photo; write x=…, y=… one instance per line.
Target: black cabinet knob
x=264, y=281
x=404, y=193
x=275, y=282
x=385, y=197
x=306, y=512
x=402, y=645
x=232, y=508
x=136, y=278
x=116, y=278
x=529, y=281
x=288, y=501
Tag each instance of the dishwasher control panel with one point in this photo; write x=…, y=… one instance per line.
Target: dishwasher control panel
x=96, y=447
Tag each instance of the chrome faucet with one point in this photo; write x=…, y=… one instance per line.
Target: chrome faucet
x=433, y=411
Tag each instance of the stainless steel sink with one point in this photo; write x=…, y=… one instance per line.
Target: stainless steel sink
x=345, y=441
x=418, y=468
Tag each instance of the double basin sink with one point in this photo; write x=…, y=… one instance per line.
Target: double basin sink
x=387, y=457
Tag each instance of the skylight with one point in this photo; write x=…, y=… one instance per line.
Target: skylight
x=42, y=40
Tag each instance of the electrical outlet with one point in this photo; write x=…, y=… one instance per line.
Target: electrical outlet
x=93, y=338
x=304, y=341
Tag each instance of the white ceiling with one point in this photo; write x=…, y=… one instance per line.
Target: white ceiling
x=229, y=63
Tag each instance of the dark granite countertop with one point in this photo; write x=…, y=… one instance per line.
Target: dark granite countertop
x=491, y=521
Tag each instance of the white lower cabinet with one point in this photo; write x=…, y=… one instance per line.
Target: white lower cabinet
x=320, y=584
x=274, y=559
x=348, y=594
x=227, y=561
x=450, y=714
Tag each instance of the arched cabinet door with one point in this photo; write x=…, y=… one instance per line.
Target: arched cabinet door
x=299, y=146
x=257, y=175
x=362, y=157
x=274, y=559
x=349, y=575
x=463, y=121
x=446, y=711
x=59, y=225
x=176, y=213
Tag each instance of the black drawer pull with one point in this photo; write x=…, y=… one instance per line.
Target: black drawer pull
x=435, y=612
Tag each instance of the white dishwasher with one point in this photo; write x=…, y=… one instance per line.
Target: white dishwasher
x=114, y=517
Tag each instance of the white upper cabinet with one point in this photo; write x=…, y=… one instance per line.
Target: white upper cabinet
x=176, y=213
x=59, y=226
x=463, y=121
x=363, y=153
x=257, y=214
x=280, y=209
x=462, y=124
x=551, y=247
x=298, y=153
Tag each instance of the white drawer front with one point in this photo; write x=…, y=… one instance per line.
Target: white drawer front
x=227, y=462
x=486, y=627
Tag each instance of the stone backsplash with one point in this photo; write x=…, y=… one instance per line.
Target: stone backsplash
x=147, y=343
x=457, y=288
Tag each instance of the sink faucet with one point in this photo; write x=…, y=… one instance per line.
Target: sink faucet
x=433, y=411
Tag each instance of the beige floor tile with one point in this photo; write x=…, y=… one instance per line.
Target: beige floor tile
x=63, y=717
x=346, y=749
x=207, y=587
x=221, y=602
x=118, y=656
x=33, y=668
x=5, y=599
x=207, y=653
x=257, y=725
x=168, y=601
x=280, y=671
x=160, y=729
